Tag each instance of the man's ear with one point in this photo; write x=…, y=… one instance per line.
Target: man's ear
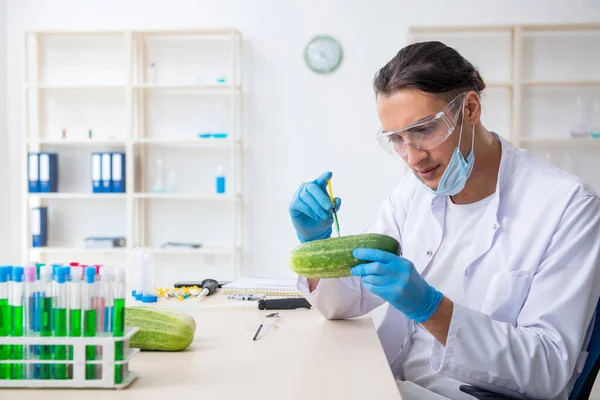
x=473, y=108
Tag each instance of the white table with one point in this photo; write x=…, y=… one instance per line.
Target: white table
x=308, y=357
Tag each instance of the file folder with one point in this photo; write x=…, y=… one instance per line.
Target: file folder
x=48, y=165
x=118, y=172
x=106, y=173
x=33, y=172
x=39, y=226
x=96, y=172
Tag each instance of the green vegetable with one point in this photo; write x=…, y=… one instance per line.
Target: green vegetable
x=161, y=330
x=332, y=258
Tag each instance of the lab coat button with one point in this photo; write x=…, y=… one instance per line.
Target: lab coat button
x=496, y=226
x=466, y=272
x=429, y=253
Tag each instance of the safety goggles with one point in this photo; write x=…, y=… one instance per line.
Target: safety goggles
x=425, y=134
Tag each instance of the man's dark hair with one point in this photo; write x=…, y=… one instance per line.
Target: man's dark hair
x=431, y=67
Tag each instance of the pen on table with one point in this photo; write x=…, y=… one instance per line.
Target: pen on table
x=335, y=218
x=262, y=323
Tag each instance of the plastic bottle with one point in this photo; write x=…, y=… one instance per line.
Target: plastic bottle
x=580, y=129
x=159, y=183
x=220, y=181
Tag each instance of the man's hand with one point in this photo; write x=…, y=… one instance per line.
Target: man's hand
x=396, y=280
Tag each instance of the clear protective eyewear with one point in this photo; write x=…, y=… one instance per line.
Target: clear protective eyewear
x=424, y=134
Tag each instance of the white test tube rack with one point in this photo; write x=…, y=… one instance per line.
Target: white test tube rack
x=78, y=379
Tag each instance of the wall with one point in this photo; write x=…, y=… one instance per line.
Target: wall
x=4, y=139
x=297, y=124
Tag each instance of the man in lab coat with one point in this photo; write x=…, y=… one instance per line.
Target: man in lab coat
x=498, y=279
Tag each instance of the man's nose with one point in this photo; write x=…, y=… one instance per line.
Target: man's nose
x=414, y=156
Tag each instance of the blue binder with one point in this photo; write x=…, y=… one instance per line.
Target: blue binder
x=96, y=168
x=106, y=173
x=48, y=165
x=39, y=226
x=118, y=172
x=33, y=172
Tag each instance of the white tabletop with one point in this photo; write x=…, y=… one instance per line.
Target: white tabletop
x=307, y=357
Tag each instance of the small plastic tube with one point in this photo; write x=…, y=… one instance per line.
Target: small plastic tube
x=136, y=272
x=149, y=279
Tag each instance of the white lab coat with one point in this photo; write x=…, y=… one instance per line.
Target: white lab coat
x=531, y=286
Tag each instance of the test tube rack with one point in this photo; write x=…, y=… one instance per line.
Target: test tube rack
x=79, y=362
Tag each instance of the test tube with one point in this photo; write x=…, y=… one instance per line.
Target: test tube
x=118, y=328
x=75, y=317
x=5, y=323
x=106, y=296
x=30, y=317
x=60, y=320
x=46, y=306
x=17, y=312
x=149, y=279
x=137, y=266
x=89, y=319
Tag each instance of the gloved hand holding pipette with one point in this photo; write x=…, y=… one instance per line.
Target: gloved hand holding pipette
x=311, y=209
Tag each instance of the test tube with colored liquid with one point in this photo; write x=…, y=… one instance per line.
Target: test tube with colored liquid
x=46, y=306
x=89, y=319
x=75, y=317
x=17, y=312
x=5, y=323
x=60, y=320
x=31, y=318
x=118, y=329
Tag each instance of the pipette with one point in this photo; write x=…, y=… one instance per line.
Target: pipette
x=337, y=225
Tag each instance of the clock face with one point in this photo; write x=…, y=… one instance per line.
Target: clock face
x=323, y=54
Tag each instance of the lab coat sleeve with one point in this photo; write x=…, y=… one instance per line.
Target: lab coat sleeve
x=538, y=356
x=341, y=298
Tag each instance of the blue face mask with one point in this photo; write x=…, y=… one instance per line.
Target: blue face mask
x=457, y=172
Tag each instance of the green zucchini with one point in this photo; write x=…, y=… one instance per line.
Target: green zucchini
x=332, y=258
x=160, y=330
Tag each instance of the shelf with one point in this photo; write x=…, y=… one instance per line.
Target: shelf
x=561, y=83
x=208, y=143
x=78, y=196
x=186, y=196
x=199, y=251
x=76, y=142
x=76, y=87
x=223, y=87
x=561, y=141
x=78, y=250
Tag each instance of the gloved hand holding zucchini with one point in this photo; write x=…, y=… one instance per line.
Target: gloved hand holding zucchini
x=332, y=258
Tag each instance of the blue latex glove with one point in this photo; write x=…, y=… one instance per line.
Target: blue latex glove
x=396, y=280
x=311, y=209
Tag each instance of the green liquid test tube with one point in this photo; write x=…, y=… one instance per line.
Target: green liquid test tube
x=75, y=317
x=89, y=319
x=5, y=325
x=16, y=306
x=119, y=322
x=46, y=307
x=60, y=321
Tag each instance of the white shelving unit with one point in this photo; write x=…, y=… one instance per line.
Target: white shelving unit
x=534, y=73
x=101, y=81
